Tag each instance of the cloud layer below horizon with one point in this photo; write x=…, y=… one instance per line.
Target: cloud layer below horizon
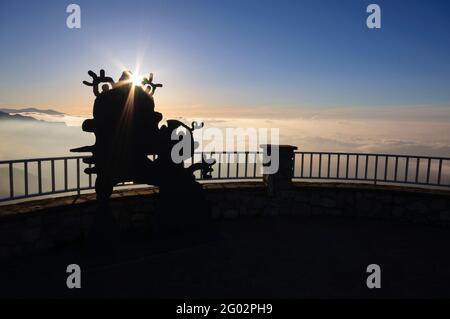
x=415, y=131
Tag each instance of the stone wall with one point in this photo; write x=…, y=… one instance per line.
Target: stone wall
x=347, y=200
x=34, y=227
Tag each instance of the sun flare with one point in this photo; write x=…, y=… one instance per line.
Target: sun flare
x=136, y=79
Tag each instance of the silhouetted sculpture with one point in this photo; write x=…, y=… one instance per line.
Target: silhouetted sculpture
x=126, y=128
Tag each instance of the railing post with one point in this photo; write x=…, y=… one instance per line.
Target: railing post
x=78, y=177
x=278, y=167
x=11, y=181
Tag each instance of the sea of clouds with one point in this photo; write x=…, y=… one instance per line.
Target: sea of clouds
x=414, y=131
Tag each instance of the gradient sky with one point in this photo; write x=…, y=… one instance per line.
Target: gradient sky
x=224, y=57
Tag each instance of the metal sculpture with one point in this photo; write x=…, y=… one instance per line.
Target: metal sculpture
x=127, y=132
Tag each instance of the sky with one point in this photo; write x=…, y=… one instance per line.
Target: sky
x=311, y=69
x=231, y=58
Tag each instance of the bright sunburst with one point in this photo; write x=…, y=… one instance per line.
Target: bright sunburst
x=136, y=79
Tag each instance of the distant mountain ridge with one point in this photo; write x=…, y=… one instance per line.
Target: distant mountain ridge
x=24, y=118
x=31, y=110
x=6, y=116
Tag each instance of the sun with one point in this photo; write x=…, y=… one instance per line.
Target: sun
x=136, y=79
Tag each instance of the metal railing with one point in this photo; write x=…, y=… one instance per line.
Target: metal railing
x=42, y=180
x=36, y=177
x=26, y=178
x=373, y=168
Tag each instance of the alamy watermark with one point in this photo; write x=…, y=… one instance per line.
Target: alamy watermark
x=374, y=279
x=214, y=140
x=374, y=19
x=74, y=279
x=73, y=20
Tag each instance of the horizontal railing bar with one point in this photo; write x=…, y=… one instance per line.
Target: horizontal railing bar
x=43, y=159
x=371, y=180
x=374, y=154
x=229, y=152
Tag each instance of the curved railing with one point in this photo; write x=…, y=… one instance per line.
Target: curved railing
x=422, y=171
x=35, y=177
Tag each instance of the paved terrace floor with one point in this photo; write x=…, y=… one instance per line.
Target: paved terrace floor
x=279, y=257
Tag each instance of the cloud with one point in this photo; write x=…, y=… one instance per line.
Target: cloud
x=69, y=120
x=417, y=133
x=395, y=113
x=22, y=139
x=414, y=131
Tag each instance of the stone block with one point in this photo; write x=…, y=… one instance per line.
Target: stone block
x=31, y=234
x=216, y=212
x=438, y=205
x=270, y=211
x=328, y=202
x=398, y=211
x=301, y=210
x=316, y=211
x=445, y=216
x=250, y=212
x=34, y=221
x=418, y=207
x=4, y=252
x=302, y=197
x=230, y=213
